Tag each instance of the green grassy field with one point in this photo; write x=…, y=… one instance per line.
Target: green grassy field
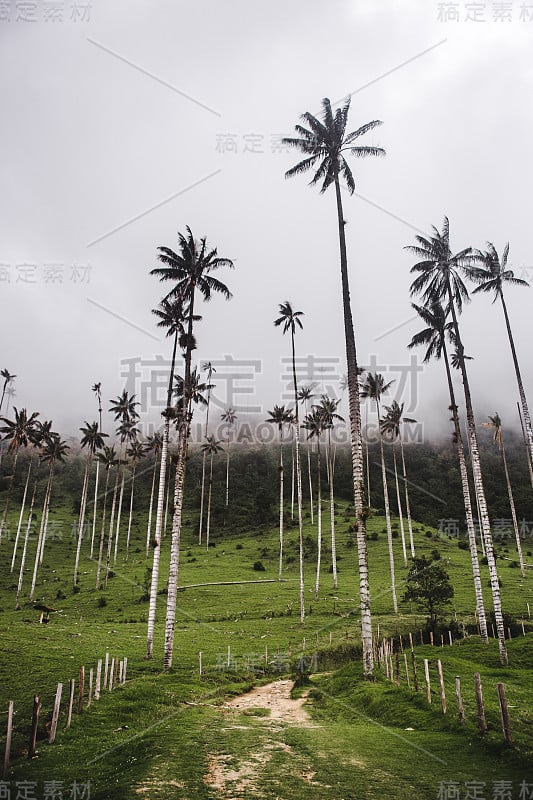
x=360, y=746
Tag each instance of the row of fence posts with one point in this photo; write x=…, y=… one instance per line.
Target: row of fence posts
x=389, y=659
x=114, y=674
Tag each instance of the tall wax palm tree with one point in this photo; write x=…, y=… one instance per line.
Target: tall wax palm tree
x=108, y=459
x=438, y=279
x=374, y=387
x=328, y=409
x=496, y=424
x=491, y=275
x=136, y=451
x=208, y=367
x=153, y=445
x=93, y=439
x=325, y=144
x=123, y=409
x=25, y=547
x=289, y=320
x=211, y=446
x=305, y=394
x=314, y=424
x=191, y=272
x=393, y=423
x=53, y=452
x=229, y=417
x=281, y=416
x=97, y=389
x=8, y=378
x=19, y=433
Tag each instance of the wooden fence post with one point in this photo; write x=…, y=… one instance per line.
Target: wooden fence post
x=441, y=683
x=406, y=671
x=81, y=689
x=55, y=714
x=428, y=685
x=431, y=639
x=91, y=678
x=200, y=662
x=397, y=668
x=481, y=721
x=34, y=725
x=411, y=641
x=459, y=700
x=72, y=684
x=120, y=669
x=415, y=676
x=7, y=752
x=450, y=638
x=98, y=679
x=106, y=668
x=506, y=722
x=111, y=674
x=124, y=670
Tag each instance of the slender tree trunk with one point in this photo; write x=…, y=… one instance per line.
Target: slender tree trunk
x=387, y=516
x=119, y=512
x=95, y=507
x=20, y=517
x=357, y=449
x=111, y=526
x=208, y=526
x=280, y=502
x=319, y=518
x=150, y=510
x=480, y=604
x=102, y=531
x=480, y=492
x=25, y=548
x=407, y=504
x=227, y=474
x=134, y=469
x=298, y=482
x=81, y=519
x=399, y=502
x=42, y=531
x=367, y=459
x=332, y=511
x=202, y=494
x=292, y=478
x=9, y=490
x=529, y=461
x=523, y=400
x=167, y=500
x=157, y=540
x=513, y=512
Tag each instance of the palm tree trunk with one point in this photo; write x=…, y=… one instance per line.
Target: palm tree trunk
x=367, y=459
x=529, y=461
x=150, y=510
x=280, y=502
x=319, y=519
x=208, y=526
x=134, y=468
x=399, y=502
x=523, y=400
x=200, y=528
x=227, y=474
x=387, y=517
x=310, y=483
x=102, y=531
x=9, y=490
x=25, y=548
x=119, y=512
x=20, y=518
x=407, y=504
x=157, y=540
x=95, y=507
x=42, y=528
x=111, y=526
x=480, y=491
x=480, y=604
x=513, y=512
x=357, y=449
x=292, y=477
x=298, y=482
x=332, y=511
x=81, y=519
x=167, y=501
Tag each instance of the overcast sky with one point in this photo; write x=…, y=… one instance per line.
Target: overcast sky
x=124, y=122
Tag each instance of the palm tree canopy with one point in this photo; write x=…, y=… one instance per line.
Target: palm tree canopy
x=495, y=424
x=229, y=416
x=22, y=430
x=314, y=423
x=54, y=449
x=7, y=376
x=136, y=450
x=288, y=318
x=124, y=407
x=492, y=273
x=325, y=143
x=434, y=336
x=280, y=416
x=391, y=423
x=91, y=437
x=108, y=456
x=191, y=269
x=212, y=446
x=155, y=442
x=328, y=409
x=374, y=386
x=127, y=431
x=439, y=267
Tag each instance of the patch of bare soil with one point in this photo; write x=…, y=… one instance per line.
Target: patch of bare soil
x=276, y=697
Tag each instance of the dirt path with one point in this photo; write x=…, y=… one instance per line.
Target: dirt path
x=234, y=778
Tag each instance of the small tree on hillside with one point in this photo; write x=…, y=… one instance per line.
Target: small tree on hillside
x=428, y=585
